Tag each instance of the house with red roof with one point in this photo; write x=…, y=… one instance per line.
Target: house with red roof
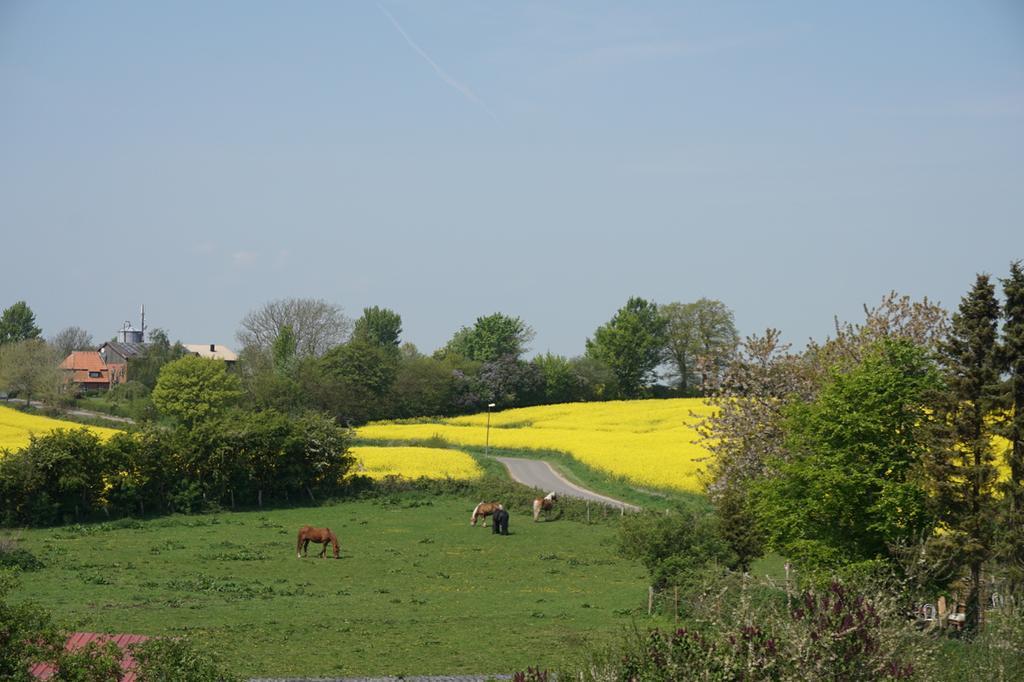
x=87, y=370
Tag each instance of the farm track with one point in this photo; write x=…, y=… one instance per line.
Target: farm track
x=540, y=474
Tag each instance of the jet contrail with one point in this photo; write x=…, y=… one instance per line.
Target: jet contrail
x=469, y=94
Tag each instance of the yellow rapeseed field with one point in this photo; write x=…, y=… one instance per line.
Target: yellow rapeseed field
x=650, y=442
x=16, y=427
x=414, y=462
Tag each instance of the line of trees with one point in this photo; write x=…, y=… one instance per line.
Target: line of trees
x=302, y=354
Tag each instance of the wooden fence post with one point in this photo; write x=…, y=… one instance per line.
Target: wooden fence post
x=675, y=602
x=650, y=599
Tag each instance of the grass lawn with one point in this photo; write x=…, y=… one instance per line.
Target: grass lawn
x=417, y=591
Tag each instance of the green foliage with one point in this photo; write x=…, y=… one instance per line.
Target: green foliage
x=835, y=633
x=177, y=660
x=59, y=476
x=192, y=389
x=145, y=368
x=851, y=487
x=12, y=556
x=1010, y=539
x=378, y=326
x=738, y=526
x=423, y=386
x=27, y=633
x=91, y=663
x=28, y=368
x=18, y=323
x=491, y=337
x=963, y=472
x=284, y=349
x=701, y=339
x=631, y=344
x=674, y=546
x=354, y=381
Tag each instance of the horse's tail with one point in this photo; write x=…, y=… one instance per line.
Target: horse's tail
x=472, y=517
x=536, y=509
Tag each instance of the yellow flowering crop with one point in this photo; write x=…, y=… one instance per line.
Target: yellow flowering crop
x=413, y=462
x=16, y=427
x=650, y=442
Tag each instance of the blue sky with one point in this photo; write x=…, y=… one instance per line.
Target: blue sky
x=546, y=160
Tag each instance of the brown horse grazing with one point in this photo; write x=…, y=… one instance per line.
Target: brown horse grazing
x=483, y=510
x=324, y=536
x=546, y=503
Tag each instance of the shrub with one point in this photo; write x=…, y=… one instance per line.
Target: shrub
x=833, y=634
x=27, y=634
x=176, y=660
x=13, y=556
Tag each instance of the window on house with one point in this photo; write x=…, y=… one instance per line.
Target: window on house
x=94, y=375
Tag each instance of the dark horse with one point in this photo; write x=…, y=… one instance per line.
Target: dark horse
x=324, y=536
x=499, y=521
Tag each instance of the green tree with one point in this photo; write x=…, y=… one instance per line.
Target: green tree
x=631, y=344
x=378, y=326
x=562, y=383
x=28, y=368
x=491, y=337
x=701, y=339
x=851, y=487
x=145, y=368
x=355, y=380
x=1011, y=542
x=18, y=323
x=672, y=546
x=424, y=386
x=191, y=389
x=284, y=349
x=963, y=471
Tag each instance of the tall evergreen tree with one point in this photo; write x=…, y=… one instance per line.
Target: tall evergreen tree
x=964, y=470
x=1011, y=542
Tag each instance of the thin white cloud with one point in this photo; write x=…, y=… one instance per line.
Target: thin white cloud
x=244, y=259
x=444, y=75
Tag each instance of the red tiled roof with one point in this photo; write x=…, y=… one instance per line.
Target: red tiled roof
x=81, y=362
x=77, y=640
x=87, y=360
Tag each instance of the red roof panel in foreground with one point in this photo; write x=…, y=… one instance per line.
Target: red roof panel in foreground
x=77, y=640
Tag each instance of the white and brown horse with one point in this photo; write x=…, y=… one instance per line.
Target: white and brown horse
x=482, y=511
x=324, y=536
x=546, y=503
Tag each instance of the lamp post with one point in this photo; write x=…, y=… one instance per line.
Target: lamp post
x=487, y=436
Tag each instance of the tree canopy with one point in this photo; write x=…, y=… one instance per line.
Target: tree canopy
x=850, y=487
x=192, y=389
x=491, y=337
x=379, y=326
x=631, y=344
x=700, y=339
x=18, y=323
x=317, y=325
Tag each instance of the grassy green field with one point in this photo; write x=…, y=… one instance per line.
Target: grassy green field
x=417, y=591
